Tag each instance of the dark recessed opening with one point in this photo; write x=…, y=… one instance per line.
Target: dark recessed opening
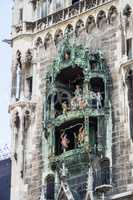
x=71, y=130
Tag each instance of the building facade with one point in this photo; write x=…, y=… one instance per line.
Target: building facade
x=71, y=100
x=5, y=179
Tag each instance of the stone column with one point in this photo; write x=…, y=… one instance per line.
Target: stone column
x=22, y=86
x=13, y=88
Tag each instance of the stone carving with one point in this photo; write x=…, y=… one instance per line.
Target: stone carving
x=28, y=56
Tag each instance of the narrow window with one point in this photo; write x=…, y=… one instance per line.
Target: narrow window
x=20, y=14
x=129, y=48
x=29, y=87
x=50, y=188
x=44, y=9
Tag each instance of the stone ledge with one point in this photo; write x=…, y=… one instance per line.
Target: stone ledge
x=122, y=195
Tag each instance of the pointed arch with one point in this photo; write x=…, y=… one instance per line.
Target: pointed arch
x=38, y=42
x=69, y=29
x=101, y=19
x=90, y=24
x=79, y=27
x=48, y=39
x=58, y=36
x=112, y=15
x=127, y=10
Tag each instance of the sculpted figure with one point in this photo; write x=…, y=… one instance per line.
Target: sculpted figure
x=64, y=141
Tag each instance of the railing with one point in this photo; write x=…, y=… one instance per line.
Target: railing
x=64, y=14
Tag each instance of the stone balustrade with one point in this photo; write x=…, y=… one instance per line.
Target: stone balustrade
x=60, y=16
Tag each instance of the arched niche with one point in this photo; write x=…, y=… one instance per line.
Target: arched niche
x=69, y=29
x=127, y=11
x=90, y=24
x=27, y=120
x=58, y=36
x=67, y=82
x=48, y=40
x=38, y=42
x=79, y=27
x=97, y=92
x=113, y=15
x=50, y=187
x=101, y=20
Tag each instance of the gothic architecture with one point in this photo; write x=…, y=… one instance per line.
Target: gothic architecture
x=71, y=102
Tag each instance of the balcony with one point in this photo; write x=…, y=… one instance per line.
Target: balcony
x=62, y=15
x=79, y=156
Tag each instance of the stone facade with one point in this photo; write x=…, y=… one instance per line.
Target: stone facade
x=47, y=38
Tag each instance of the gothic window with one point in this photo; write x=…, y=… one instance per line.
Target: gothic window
x=17, y=121
x=58, y=36
x=29, y=85
x=127, y=13
x=129, y=48
x=79, y=27
x=50, y=187
x=129, y=81
x=93, y=128
x=90, y=25
x=112, y=16
x=101, y=20
x=27, y=120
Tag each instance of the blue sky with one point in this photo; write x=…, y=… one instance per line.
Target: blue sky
x=5, y=65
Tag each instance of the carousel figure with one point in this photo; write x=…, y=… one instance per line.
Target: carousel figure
x=81, y=136
x=73, y=104
x=82, y=103
x=64, y=141
x=78, y=91
x=99, y=100
x=64, y=107
x=77, y=96
x=93, y=99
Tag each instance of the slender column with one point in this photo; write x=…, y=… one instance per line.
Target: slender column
x=13, y=89
x=87, y=129
x=22, y=86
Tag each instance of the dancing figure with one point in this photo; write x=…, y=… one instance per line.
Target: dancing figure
x=64, y=107
x=81, y=136
x=64, y=141
x=99, y=100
